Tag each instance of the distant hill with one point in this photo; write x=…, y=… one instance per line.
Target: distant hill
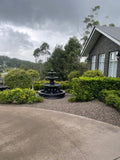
x=6, y=61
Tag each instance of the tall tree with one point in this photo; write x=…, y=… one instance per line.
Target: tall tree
x=92, y=20
x=58, y=62
x=72, y=50
x=36, y=54
x=42, y=51
x=63, y=61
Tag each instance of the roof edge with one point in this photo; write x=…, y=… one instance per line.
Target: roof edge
x=91, y=35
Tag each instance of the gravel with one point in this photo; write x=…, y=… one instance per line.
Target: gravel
x=93, y=109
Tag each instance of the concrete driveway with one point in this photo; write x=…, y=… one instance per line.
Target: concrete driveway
x=37, y=134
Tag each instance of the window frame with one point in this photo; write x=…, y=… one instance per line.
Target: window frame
x=101, y=62
x=93, y=63
x=113, y=62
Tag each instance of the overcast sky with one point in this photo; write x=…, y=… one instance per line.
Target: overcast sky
x=26, y=24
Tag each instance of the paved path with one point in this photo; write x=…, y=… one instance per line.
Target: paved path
x=28, y=133
x=93, y=109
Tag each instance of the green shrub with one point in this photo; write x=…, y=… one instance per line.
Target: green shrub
x=39, y=99
x=69, y=91
x=110, y=97
x=102, y=94
x=113, y=100
x=6, y=97
x=93, y=73
x=38, y=85
x=65, y=85
x=19, y=96
x=85, y=88
x=18, y=78
x=73, y=74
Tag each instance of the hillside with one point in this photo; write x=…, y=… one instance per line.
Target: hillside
x=17, y=63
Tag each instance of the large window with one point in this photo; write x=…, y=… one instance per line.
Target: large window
x=112, y=72
x=93, y=62
x=101, y=62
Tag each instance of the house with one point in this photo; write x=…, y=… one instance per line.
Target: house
x=103, y=50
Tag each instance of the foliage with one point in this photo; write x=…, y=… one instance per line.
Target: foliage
x=85, y=88
x=14, y=62
x=8, y=64
x=90, y=21
x=72, y=51
x=17, y=78
x=64, y=60
x=64, y=84
x=93, y=73
x=6, y=96
x=80, y=92
x=19, y=96
x=73, y=74
x=111, y=98
x=34, y=75
x=69, y=91
x=43, y=50
x=38, y=85
x=58, y=62
x=36, y=54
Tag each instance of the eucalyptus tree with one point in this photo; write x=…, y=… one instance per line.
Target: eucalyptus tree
x=36, y=54
x=42, y=51
x=92, y=20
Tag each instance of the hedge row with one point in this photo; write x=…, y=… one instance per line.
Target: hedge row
x=111, y=98
x=19, y=96
x=64, y=84
x=85, y=88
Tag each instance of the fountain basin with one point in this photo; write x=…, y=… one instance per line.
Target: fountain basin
x=51, y=90
x=60, y=94
x=51, y=85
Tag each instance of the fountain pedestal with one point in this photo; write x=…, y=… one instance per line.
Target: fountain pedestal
x=51, y=89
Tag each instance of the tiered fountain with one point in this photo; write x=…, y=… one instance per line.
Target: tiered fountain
x=51, y=89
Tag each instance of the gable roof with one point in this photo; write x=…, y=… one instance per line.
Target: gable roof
x=113, y=33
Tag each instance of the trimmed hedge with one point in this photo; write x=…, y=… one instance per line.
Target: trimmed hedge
x=93, y=73
x=38, y=85
x=87, y=88
x=73, y=74
x=111, y=98
x=19, y=96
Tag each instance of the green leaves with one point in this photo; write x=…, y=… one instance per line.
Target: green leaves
x=43, y=50
x=19, y=96
x=73, y=74
x=93, y=73
x=111, y=98
x=18, y=78
x=88, y=88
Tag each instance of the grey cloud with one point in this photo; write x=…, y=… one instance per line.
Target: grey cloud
x=36, y=12
x=13, y=41
x=54, y=14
